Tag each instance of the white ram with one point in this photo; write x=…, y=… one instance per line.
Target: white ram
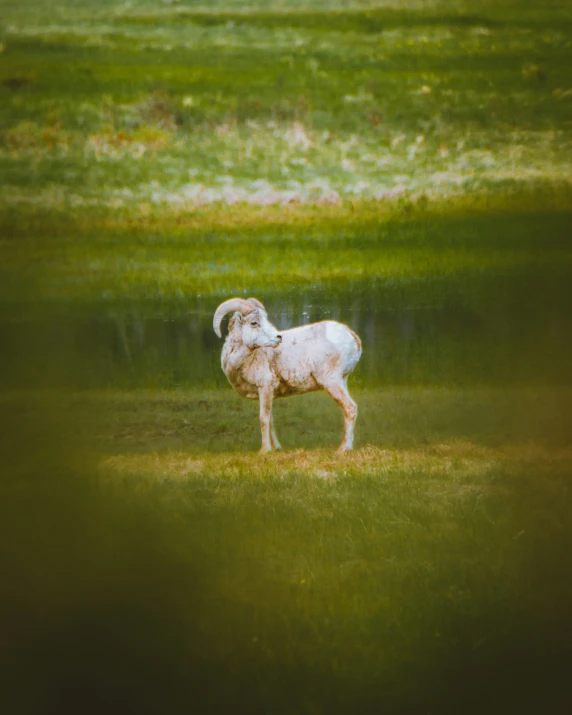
x=262, y=363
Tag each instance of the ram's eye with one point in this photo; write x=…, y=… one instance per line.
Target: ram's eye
x=255, y=325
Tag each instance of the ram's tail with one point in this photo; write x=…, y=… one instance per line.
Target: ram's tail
x=358, y=342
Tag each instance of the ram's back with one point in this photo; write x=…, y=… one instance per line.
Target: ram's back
x=310, y=355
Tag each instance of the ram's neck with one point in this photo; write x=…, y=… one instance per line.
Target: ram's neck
x=247, y=370
x=234, y=354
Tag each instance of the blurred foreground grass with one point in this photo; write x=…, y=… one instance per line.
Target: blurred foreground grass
x=151, y=560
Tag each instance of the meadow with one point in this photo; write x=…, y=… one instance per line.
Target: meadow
x=402, y=167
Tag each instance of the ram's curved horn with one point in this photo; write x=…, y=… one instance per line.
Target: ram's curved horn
x=256, y=304
x=229, y=306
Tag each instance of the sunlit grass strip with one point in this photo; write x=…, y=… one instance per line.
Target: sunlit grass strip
x=454, y=460
x=463, y=464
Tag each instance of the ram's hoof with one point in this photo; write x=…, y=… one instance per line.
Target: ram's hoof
x=343, y=449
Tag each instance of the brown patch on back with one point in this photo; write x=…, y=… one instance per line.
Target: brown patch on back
x=329, y=368
x=331, y=362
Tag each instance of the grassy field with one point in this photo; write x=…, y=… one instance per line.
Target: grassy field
x=367, y=161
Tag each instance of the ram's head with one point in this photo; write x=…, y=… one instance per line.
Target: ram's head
x=249, y=324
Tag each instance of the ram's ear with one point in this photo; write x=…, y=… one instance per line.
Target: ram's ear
x=234, y=321
x=256, y=304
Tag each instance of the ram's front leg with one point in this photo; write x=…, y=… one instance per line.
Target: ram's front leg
x=265, y=395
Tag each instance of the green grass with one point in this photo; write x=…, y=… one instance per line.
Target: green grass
x=182, y=107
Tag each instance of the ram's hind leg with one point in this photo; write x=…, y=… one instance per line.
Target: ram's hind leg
x=338, y=391
x=273, y=438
